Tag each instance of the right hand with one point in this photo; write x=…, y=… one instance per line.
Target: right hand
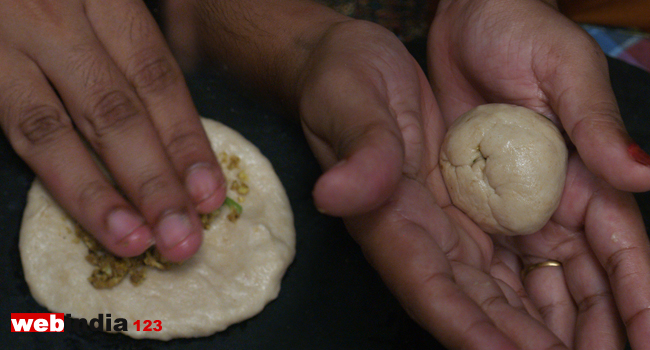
x=95, y=71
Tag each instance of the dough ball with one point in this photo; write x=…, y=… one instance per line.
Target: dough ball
x=505, y=167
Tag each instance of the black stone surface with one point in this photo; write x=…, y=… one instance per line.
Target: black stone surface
x=330, y=297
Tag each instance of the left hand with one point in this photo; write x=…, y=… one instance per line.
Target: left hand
x=373, y=123
x=526, y=53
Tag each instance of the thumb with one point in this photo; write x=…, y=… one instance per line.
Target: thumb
x=580, y=92
x=367, y=174
x=357, y=141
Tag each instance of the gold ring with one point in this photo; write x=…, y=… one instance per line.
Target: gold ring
x=547, y=263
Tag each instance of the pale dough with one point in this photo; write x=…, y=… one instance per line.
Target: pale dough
x=236, y=272
x=504, y=166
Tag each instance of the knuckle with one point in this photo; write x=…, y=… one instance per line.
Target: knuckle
x=492, y=302
x=42, y=124
x=593, y=300
x=601, y=120
x=349, y=138
x=547, y=310
x=184, y=144
x=93, y=192
x=138, y=26
x=93, y=70
x=638, y=315
x=618, y=265
x=46, y=12
x=153, y=185
x=153, y=73
x=112, y=111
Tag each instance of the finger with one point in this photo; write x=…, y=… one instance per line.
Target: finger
x=418, y=273
x=615, y=230
x=133, y=40
x=580, y=93
x=181, y=32
x=41, y=132
x=357, y=140
x=505, y=269
x=598, y=324
x=525, y=330
x=112, y=118
x=549, y=293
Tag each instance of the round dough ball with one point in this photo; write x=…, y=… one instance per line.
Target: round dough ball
x=505, y=167
x=236, y=272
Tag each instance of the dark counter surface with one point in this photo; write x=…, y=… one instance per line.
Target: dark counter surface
x=330, y=298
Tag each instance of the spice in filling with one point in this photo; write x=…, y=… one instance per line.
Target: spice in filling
x=110, y=270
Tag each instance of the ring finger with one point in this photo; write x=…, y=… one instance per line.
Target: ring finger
x=548, y=291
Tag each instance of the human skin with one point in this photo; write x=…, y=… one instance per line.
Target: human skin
x=361, y=97
x=99, y=73
x=528, y=54
x=372, y=120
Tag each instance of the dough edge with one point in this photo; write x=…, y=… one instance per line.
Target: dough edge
x=202, y=303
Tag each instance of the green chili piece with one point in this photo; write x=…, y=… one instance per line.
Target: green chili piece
x=233, y=205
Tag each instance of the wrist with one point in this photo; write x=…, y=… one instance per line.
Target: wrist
x=267, y=43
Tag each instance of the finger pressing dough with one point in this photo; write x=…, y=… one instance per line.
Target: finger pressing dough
x=233, y=276
x=504, y=166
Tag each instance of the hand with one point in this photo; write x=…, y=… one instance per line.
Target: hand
x=597, y=234
x=99, y=72
x=372, y=121
x=526, y=53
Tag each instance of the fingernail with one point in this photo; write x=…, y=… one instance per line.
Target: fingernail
x=201, y=182
x=638, y=154
x=121, y=223
x=173, y=229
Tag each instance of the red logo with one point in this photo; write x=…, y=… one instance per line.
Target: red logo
x=35, y=322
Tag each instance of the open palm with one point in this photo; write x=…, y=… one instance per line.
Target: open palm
x=525, y=53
